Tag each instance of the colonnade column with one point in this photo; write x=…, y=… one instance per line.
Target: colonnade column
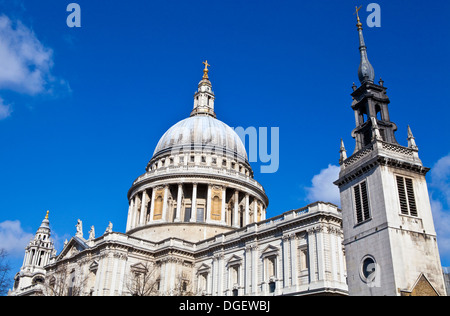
x=143, y=208
x=236, y=209
x=133, y=217
x=130, y=214
x=224, y=196
x=194, y=203
x=152, y=206
x=180, y=194
x=247, y=209
x=164, y=212
x=208, y=204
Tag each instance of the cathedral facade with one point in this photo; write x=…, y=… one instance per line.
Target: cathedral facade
x=197, y=223
x=197, y=226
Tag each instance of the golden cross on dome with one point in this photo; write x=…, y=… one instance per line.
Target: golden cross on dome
x=206, y=70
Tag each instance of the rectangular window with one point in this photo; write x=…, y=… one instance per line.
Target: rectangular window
x=200, y=215
x=406, y=196
x=187, y=214
x=361, y=202
x=304, y=259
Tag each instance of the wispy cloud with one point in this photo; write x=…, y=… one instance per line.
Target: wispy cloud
x=440, y=204
x=322, y=188
x=440, y=178
x=5, y=109
x=13, y=238
x=26, y=63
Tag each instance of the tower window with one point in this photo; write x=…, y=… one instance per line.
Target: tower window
x=406, y=196
x=361, y=202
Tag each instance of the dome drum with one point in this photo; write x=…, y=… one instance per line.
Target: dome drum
x=198, y=200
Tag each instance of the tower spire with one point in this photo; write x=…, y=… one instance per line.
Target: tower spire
x=343, y=153
x=370, y=102
x=366, y=72
x=38, y=254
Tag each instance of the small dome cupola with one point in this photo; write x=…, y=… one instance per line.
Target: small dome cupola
x=204, y=97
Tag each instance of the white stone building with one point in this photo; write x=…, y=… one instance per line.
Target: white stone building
x=197, y=225
x=197, y=222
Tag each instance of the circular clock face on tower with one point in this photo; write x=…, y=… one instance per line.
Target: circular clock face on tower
x=368, y=269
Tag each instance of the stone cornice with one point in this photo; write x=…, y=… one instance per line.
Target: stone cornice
x=380, y=161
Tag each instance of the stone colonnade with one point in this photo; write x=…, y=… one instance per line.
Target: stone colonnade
x=195, y=203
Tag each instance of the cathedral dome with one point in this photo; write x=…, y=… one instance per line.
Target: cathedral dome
x=202, y=131
x=199, y=183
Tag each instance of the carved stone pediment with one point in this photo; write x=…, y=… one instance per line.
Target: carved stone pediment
x=234, y=260
x=270, y=249
x=204, y=268
x=139, y=267
x=72, y=248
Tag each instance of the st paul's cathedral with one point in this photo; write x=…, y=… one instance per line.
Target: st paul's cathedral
x=196, y=223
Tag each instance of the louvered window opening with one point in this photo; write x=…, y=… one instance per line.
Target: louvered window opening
x=361, y=202
x=406, y=196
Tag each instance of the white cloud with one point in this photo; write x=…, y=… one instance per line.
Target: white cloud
x=441, y=219
x=25, y=64
x=440, y=177
x=440, y=203
x=322, y=188
x=13, y=238
x=5, y=109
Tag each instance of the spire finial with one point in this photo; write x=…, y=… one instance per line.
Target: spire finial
x=411, y=139
x=46, y=216
x=343, y=153
x=206, y=70
x=365, y=71
x=359, y=24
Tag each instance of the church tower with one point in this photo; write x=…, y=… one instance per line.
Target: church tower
x=37, y=255
x=389, y=236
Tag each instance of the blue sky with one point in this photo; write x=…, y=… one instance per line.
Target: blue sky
x=82, y=109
